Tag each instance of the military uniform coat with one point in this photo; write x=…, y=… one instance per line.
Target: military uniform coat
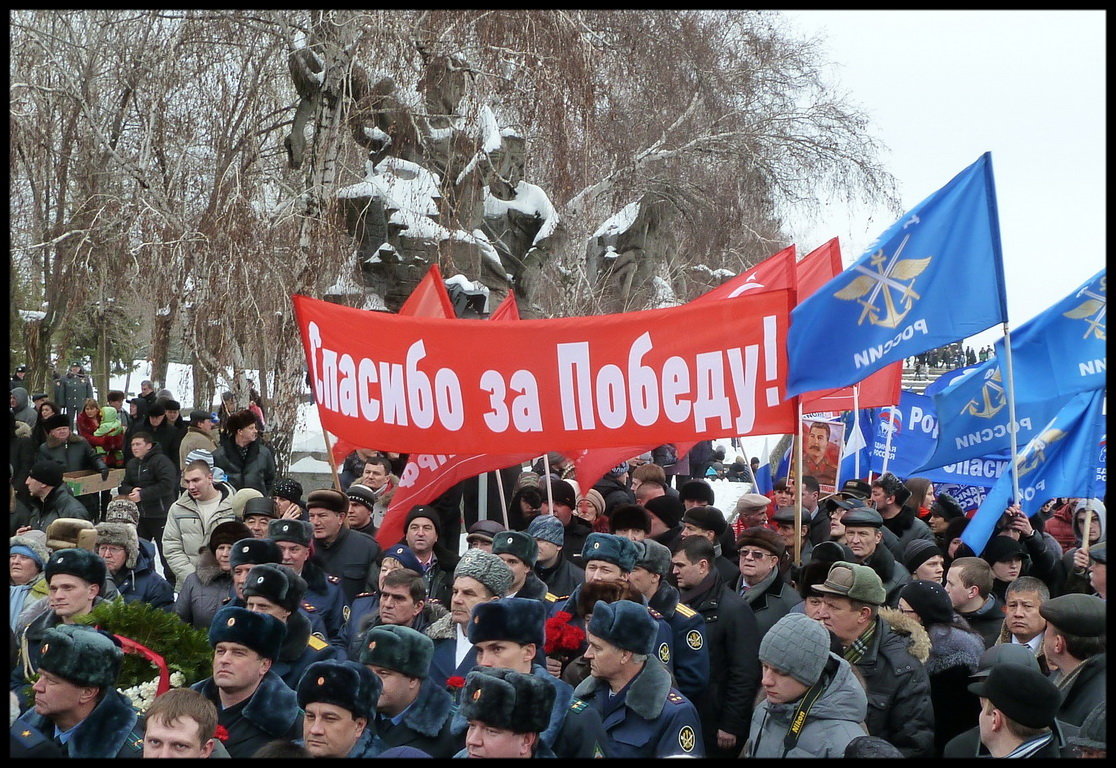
x=300, y=649
x=425, y=724
x=325, y=597
x=353, y=558
x=272, y=712
x=109, y=731
x=649, y=718
x=563, y=578
x=687, y=631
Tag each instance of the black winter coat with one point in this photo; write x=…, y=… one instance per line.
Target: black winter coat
x=157, y=479
x=164, y=435
x=255, y=470
x=614, y=493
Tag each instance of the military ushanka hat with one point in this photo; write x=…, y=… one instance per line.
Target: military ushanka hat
x=514, y=619
x=625, y=624
x=254, y=552
x=611, y=548
x=276, y=583
x=509, y=700
x=87, y=566
x=294, y=531
x=518, y=544
x=403, y=649
x=261, y=632
x=81, y=655
x=344, y=684
x=654, y=557
x=486, y=568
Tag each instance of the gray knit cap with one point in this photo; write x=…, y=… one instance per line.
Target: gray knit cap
x=798, y=646
x=548, y=528
x=486, y=568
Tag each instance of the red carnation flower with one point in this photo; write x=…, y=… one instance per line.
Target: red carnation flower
x=562, y=638
x=455, y=682
x=222, y=733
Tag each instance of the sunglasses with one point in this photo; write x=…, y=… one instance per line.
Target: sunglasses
x=753, y=554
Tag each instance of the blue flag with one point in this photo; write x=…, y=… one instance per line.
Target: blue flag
x=1054, y=355
x=764, y=483
x=934, y=277
x=1065, y=459
x=856, y=458
x=1062, y=351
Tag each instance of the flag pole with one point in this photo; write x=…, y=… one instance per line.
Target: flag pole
x=332, y=462
x=798, y=486
x=856, y=424
x=1009, y=381
x=503, y=500
x=549, y=493
x=887, y=442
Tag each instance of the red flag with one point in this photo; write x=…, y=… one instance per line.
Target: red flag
x=430, y=297
x=508, y=309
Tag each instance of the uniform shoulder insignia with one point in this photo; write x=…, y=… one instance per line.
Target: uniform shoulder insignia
x=550, y=597
x=695, y=639
x=364, y=594
x=332, y=579
x=309, y=607
x=316, y=643
x=675, y=698
x=686, y=611
x=654, y=614
x=577, y=705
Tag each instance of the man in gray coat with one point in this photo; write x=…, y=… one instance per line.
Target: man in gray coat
x=761, y=583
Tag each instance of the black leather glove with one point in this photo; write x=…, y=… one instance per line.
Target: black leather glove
x=104, y=474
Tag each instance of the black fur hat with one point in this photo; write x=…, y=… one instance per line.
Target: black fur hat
x=277, y=583
x=238, y=421
x=625, y=624
x=82, y=563
x=54, y=422
x=667, y=508
x=405, y=650
x=261, y=632
x=515, y=619
x=518, y=544
x=81, y=655
x=628, y=517
x=512, y=701
x=697, y=490
x=294, y=531
x=254, y=552
x=345, y=684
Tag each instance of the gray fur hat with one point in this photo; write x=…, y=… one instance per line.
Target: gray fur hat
x=277, y=583
x=399, y=648
x=122, y=535
x=513, y=701
x=517, y=544
x=625, y=624
x=294, y=531
x=654, y=557
x=798, y=646
x=486, y=568
x=81, y=655
x=34, y=544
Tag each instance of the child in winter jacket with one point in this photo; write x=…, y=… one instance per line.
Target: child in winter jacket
x=108, y=439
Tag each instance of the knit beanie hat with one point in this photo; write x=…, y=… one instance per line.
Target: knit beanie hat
x=798, y=646
x=362, y=494
x=630, y=517
x=929, y=600
x=228, y=532
x=286, y=488
x=594, y=497
x=430, y=513
x=122, y=511
x=30, y=546
x=240, y=498
x=47, y=471
x=121, y=535
x=548, y=528
x=200, y=454
x=667, y=508
x=1003, y=548
x=486, y=568
x=917, y=552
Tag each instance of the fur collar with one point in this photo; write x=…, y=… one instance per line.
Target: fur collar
x=647, y=694
x=952, y=647
x=102, y=734
x=442, y=628
x=430, y=711
x=72, y=439
x=918, y=642
x=273, y=708
x=207, y=569
x=298, y=633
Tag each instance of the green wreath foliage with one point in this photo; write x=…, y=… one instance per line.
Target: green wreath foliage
x=184, y=648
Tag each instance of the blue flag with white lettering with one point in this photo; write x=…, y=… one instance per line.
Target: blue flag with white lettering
x=1067, y=458
x=1062, y=351
x=934, y=277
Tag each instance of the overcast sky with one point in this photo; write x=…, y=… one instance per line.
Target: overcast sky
x=941, y=88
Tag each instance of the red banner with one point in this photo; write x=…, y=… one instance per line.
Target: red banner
x=412, y=384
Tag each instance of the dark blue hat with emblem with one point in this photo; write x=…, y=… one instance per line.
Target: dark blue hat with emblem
x=399, y=648
x=278, y=584
x=509, y=700
x=82, y=563
x=344, y=684
x=514, y=619
x=405, y=555
x=254, y=552
x=625, y=624
x=81, y=655
x=612, y=549
x=294, y=531
x=261, y=632
x=518, y=544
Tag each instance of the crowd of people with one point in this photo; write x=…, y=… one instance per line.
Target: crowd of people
x=629, y=617
x=948, y=357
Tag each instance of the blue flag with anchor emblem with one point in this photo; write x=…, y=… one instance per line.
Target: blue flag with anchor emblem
x=934, y=277
x=1066, y=458
x=1054, y=355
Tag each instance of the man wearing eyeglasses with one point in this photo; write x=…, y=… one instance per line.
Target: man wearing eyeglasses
x=761, y=585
